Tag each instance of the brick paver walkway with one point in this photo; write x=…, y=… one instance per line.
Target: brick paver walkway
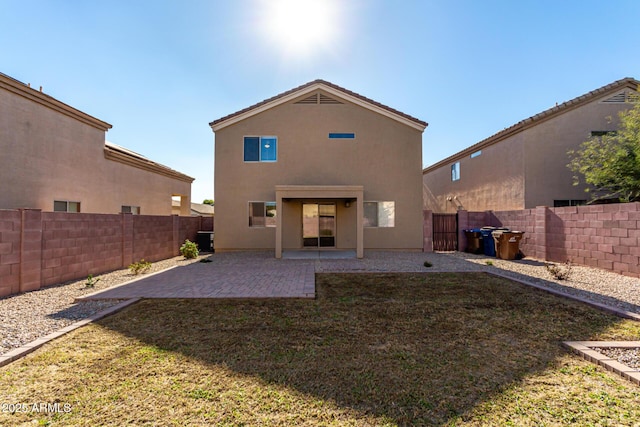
x=255, y=275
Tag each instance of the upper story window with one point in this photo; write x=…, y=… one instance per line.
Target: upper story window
x=476, y=154
x=342, y=135
x=260, y=148
x=65, y=206
x=455, y=171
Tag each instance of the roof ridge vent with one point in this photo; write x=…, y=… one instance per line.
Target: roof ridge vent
x=313, y=99
x=621, y=97
x=324, y=99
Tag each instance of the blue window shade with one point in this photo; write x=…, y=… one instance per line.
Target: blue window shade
x=251, y=149
x=342, y=135
x=268, y=149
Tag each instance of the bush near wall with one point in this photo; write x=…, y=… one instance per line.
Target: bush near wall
x=43, y=248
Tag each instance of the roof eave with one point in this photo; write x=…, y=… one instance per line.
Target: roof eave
x=627, y=82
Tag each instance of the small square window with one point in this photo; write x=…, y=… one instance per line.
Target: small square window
x=262, y=214
x=379, y=214
x=131, y=209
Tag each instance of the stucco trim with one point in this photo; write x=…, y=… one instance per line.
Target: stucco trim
x=16, y=87
x=626, y=83
x=113, y=153
x=310, y=87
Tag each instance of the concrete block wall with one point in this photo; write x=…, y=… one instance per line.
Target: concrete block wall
x=43, y=248
x=602, y=236
x=76, y=245
x=10, y=246
x=153, y=238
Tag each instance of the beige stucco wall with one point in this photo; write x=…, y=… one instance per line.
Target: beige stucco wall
x=495, y=175
x=524, y=170
x=546, y=173
x=385, y=157
x=48, y=155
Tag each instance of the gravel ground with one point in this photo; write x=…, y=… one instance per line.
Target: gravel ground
x=29, y=316
x=626, y=356
x=26, y=317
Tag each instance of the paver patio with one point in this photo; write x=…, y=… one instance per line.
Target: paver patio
x=258, y=274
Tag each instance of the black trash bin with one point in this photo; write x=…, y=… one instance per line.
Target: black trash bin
x=205, y=241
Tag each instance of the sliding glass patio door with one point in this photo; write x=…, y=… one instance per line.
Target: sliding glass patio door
x=318, y=225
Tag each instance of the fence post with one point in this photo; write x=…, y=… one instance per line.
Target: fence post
x=463, y=224
x=540, y=232
x=30, y=249
x=427, y=231
x=127, y=239
x=176, y=235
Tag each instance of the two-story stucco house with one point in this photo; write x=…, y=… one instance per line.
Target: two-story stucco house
x=55, y=158
x=318, y=167
x=525, y=165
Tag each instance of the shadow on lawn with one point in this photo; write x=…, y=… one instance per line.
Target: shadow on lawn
x=415, y=348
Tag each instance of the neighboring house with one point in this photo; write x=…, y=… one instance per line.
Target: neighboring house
x=55, y=158
x=318, y=167
x=525, y=165
x=197, y=209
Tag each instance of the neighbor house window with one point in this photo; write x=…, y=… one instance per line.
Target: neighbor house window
x=65, y=206
x=455, y=171
x=379, y=214
x=260, y=148
x=564, y=203
x=262, y=214
x=476, y=154
x=131, y=209
x=342, y=135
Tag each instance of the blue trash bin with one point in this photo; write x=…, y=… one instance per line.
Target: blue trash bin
x=488, y=243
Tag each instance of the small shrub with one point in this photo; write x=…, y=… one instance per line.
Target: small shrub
x=141, y=266
x=189, y=250
x=559, y=271
x=489, y=262
x=91, y=281
x=428, y=264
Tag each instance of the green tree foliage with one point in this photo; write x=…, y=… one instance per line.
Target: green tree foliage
x=208, y=202
x=610, y=163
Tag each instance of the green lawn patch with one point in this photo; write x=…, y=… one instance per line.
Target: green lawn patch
x=372, y=349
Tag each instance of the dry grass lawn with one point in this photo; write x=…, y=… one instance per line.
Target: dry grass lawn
x=372, y=349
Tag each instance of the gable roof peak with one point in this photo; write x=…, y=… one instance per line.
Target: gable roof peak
x=307, y=87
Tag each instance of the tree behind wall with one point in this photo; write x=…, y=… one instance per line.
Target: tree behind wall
x=610, y=163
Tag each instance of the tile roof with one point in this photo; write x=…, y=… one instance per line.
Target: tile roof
x=319, y=82
x=627, y=82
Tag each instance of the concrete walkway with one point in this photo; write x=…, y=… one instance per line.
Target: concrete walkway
x=258, y=275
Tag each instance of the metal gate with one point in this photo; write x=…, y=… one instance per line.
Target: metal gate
x=445, y=232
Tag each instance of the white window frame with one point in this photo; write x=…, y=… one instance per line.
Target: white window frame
x=260, y=137
x=67, y=203
x=381, y=221
x=269, y=221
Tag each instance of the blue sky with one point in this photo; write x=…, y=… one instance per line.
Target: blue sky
x=160, y=71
